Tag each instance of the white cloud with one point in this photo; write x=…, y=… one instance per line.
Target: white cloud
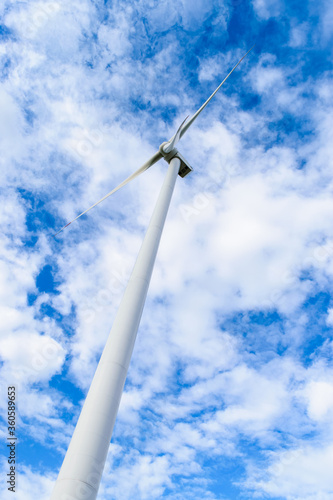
x=149, y=478
x=302, y=473
x=29, y=484
x=165, y=14
x=11, y=125
x=29, y=356
x=267, y=8
x=267, y=78
x=320, y=396
x=299, y=34
x=326, y=13
x=115, y=39
x=329, y=319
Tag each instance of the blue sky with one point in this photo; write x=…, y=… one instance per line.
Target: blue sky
x=230, y=390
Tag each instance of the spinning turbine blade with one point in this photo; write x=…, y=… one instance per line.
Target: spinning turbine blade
x=166, y=147
x=157, y=156
x=191, y=120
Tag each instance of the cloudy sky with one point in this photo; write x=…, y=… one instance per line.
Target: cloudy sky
x=230, y=390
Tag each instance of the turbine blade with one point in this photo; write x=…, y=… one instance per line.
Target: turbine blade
x=191, y=120
x=173, y=141
x=157, y=156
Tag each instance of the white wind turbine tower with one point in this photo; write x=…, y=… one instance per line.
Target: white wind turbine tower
x=83, y=465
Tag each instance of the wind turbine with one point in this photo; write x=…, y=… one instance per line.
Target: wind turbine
x=83, y=465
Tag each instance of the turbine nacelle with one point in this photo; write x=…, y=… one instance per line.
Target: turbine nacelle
x=185, y=167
